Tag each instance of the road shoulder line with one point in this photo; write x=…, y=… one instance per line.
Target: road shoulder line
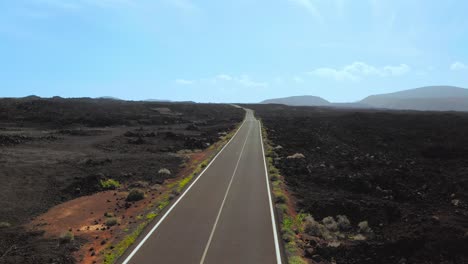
x=272, y=212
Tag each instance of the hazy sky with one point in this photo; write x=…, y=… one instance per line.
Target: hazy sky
x=230, y=51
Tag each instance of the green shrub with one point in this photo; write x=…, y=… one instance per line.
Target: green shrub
x=120, y=248
x=274, y=170
x=135, y=195
x=274, y=177
x=110, y=184
x=151, y=215
x=282, y=208
x=287, y=233
x=299, y=222
x=184, y=182
x=287, y=223
x=109, y=214
x=204, y=164
x=296, y=260
x=66, y=237
x=111, y=221
x=280, y=198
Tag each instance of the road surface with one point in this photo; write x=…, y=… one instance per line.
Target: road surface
x=225, y=216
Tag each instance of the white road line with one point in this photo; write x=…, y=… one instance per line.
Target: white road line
x=178, y=200
x=224, y=200
x=273, y=222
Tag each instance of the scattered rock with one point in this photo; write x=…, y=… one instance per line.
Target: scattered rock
x=296, y=156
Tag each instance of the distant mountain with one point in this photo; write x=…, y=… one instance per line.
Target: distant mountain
x=157, y=100
x=30, y=98
x=430, y=98
x=305, y=100
x=349, y=105
x=109, y=98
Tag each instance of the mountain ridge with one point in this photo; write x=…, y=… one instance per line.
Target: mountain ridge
x=428, y=98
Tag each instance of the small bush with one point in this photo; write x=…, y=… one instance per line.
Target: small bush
x=358, y=237
x=110, y=184
x=296, y=260
x=184, y=182
x=299, y=222
x=164, y=171
x=66, y=237
x=287, y=223
x=282, y=208
x=274, y=170
x=343, y=222
x=364, y=228
x=111, y=221
x=151, y=215
x=280, y=198
x=204, y=164
x=330, y=223
x=274, y=177
x=287, y=233
x=4, y=224
x=135, y=195
x=315, y=228
x=109, y=214
x=139, y=184
x=310, y=225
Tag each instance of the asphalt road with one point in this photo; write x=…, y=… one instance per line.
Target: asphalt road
x=225, y=216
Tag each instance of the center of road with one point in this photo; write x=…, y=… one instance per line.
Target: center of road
x=224, y=200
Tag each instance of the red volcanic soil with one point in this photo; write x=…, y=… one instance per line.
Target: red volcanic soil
x=86, y=216
x=404, y=172
x=55, y=152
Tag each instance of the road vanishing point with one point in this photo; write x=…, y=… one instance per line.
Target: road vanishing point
x=225, y=216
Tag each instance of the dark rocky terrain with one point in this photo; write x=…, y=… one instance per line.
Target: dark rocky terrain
x=404, y=172
x=54, y=150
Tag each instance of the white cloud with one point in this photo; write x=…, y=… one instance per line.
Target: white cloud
x=224, y=77
x=458, y=66
x=247, y=82
x=397, y=70
x=310, y=7
x=338, y=75
x=243, y=80
x=184, y=82
x=357, y=70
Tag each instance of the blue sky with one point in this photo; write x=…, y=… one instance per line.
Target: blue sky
x=230, y=51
